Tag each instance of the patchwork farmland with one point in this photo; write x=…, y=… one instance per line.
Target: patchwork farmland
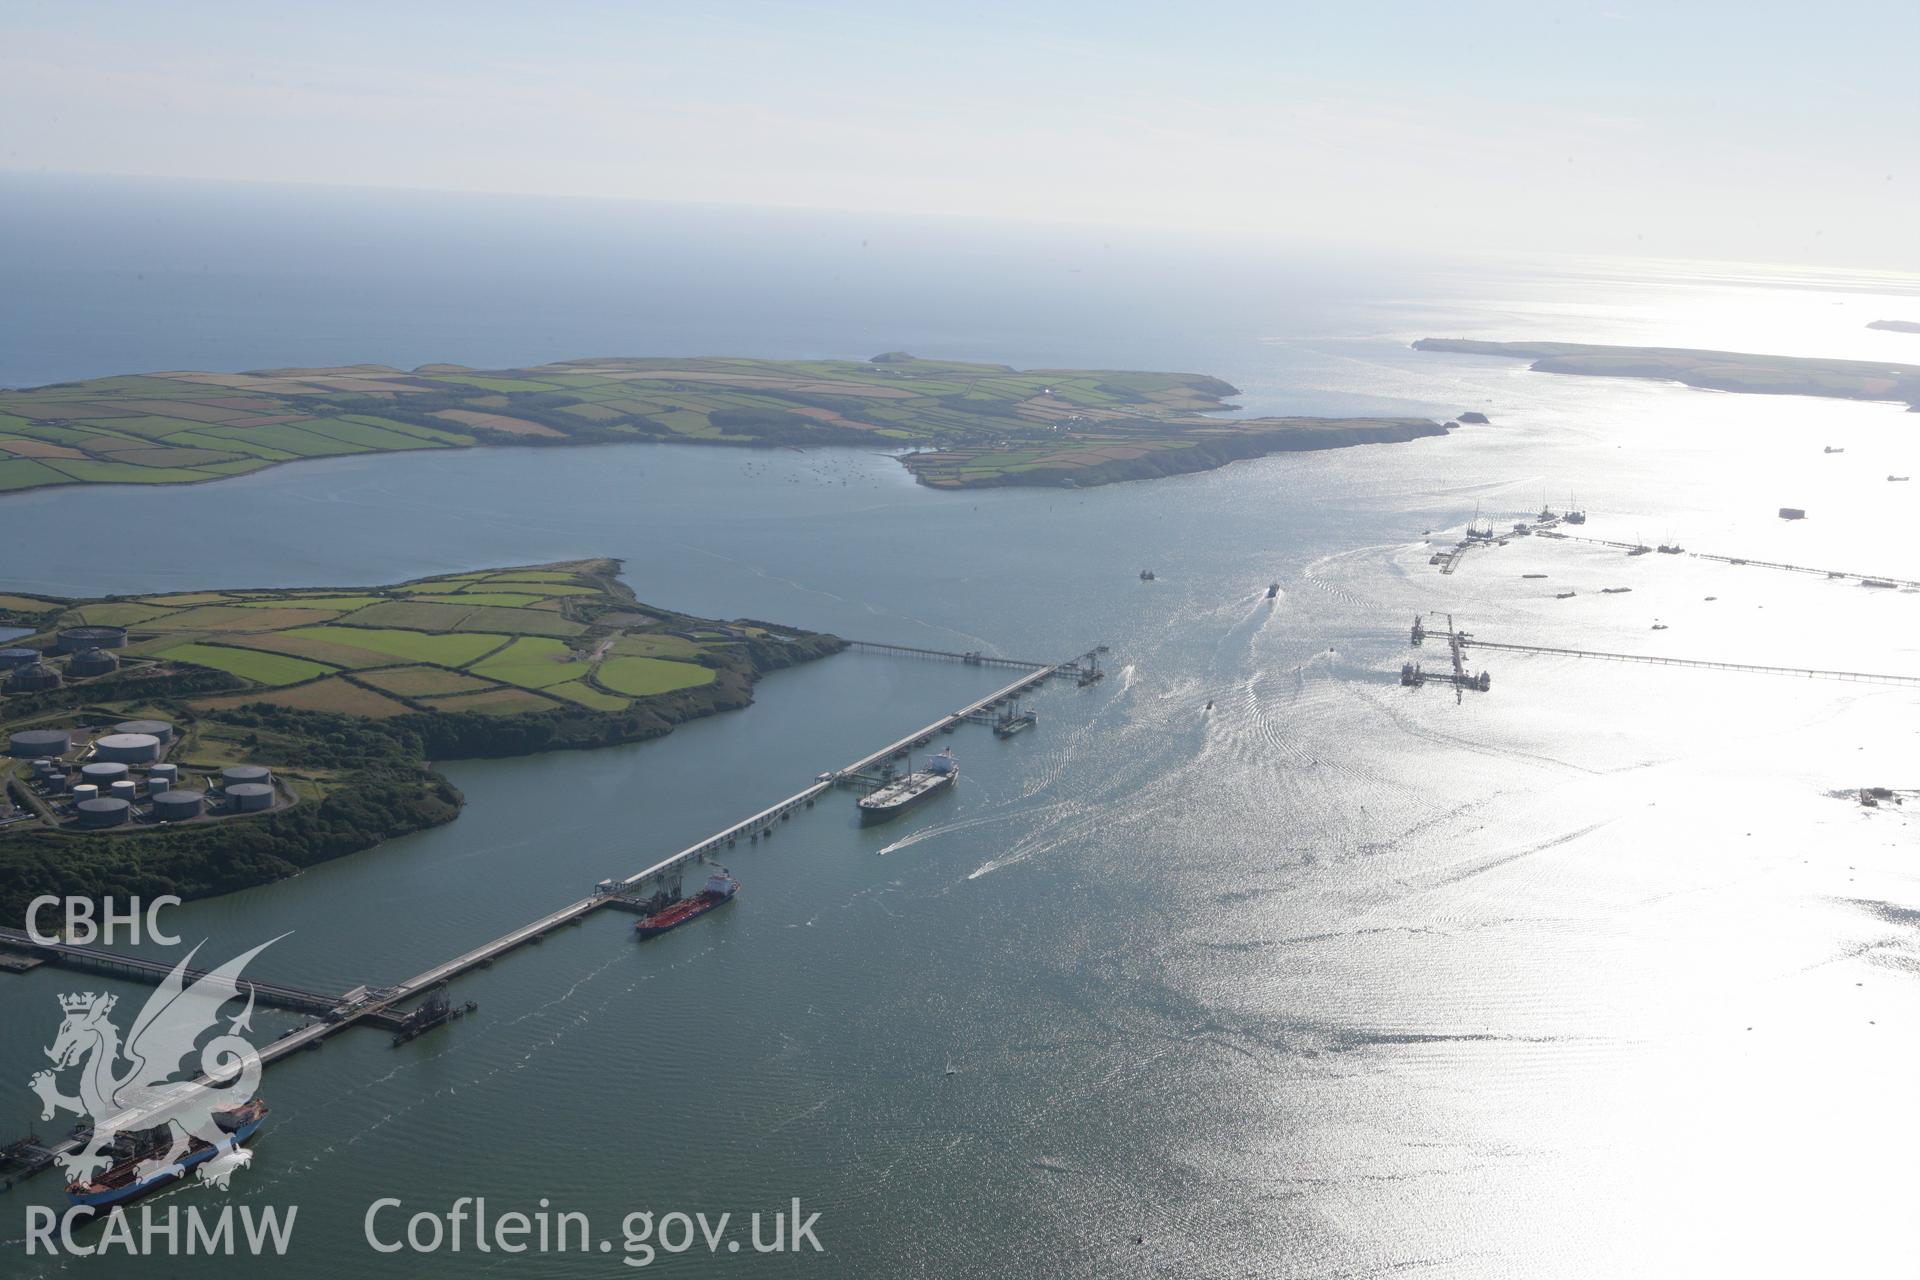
x=971, y=424
x=347, y=695
x=502, y=641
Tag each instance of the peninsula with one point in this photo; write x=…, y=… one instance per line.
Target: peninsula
x=956, y=425
x=244, y=735
x=1711, y=370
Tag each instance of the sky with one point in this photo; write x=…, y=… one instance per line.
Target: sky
x=1760, y=132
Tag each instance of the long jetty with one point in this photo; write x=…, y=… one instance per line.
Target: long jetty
x=1886, y=579
x=1459, y=641
x=380, y=1006
x=1810, y=673
x=140, y=968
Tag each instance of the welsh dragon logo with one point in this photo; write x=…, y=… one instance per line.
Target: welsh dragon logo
x=132, y=1084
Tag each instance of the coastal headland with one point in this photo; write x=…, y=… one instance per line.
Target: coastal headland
x=332, y=704
x=1710, y=370
x=956, y=425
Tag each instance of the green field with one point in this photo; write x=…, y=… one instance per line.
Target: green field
x=414, y=646
x=248, y=664
x=532, y=662
x=183, y=427
x=642, y=676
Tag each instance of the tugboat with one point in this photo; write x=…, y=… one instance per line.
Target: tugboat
x=1146, y=575
x=718, y=891
x=1273, y=589
x=124, y=1181
x=896, y=797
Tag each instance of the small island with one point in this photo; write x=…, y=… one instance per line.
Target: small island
x=1710, y=370
x=202, y=742
x=956, y=425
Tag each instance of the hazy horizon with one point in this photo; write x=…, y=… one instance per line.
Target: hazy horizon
x=1632, y=130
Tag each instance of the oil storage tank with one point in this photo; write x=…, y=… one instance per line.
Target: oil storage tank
x=34, y=744
x=127, y=748
x=103, y=773
x=84, y=792
x=158, y=728
x=75, y=639
x=35, y=677
x=174, y=806
x=104, y=813
x=11, y=658
x=238, y=774
x=251, y=797
x=162, y=777
x=92, y=662
x=123, y=790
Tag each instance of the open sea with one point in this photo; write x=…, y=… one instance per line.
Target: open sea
x=1603, y=972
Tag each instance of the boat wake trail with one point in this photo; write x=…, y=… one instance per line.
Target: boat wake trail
x=940, y=829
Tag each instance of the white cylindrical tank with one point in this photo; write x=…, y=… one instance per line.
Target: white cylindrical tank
x=85, y=791
x=162, y=777
x=122, y=790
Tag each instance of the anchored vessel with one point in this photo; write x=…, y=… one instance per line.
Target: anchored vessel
x=902, y=794
x=719, y=891
x=124, y=1181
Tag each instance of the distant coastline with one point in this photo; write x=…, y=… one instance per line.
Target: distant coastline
x=968, y=425
x=1711, y=370
x=1895, y=326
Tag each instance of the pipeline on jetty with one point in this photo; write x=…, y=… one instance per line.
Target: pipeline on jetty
x=1873, y=579
x=380, y=1005
x=1458, y=641
x=1809, y=673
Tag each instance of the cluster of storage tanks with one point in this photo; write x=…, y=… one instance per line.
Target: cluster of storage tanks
x=28, y=671
x=107, y=790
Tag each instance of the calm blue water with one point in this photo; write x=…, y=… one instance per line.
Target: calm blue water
x=1590, y=975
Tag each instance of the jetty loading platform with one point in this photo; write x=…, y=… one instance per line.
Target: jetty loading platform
x=380, y=1006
